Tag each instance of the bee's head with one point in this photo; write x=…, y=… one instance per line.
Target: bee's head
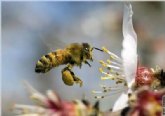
x=87, y=51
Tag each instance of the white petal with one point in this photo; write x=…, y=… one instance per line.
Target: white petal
x=36, y=96
x=30, y=89
x=52, y=96
x=25, y=109
x=39, y=99
x=129, y=55
x=129, y=51
x=30, y=115
x=121, y=102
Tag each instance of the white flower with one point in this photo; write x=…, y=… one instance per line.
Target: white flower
x=121, y=70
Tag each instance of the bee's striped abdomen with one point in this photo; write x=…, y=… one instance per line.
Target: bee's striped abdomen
x=53, y=59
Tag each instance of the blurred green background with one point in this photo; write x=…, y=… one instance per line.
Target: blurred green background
x=32, y=29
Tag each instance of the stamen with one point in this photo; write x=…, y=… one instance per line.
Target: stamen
x=107, y=77
x=115, y=63
x=112, y=55
x=110, y=75
x=99, y=97
x=110, y=66
x=108, y=95
x=114, y=87
x=116, y=72
x=97, y=92
x=108, y=89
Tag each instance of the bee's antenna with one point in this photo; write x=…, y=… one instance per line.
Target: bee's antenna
x=97, y=49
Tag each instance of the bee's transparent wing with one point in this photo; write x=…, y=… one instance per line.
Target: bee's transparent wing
x=129, y=51
x=53, y=44
x=129, y=55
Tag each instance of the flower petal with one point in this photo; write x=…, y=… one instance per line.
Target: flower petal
x=129, y=51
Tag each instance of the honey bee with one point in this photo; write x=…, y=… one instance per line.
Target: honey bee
x=73, y=55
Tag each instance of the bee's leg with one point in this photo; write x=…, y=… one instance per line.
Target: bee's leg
x=78, y=80
x=75, y=78
x=69, y=77
x=69, y=66
x=80, y=65
x=86, y=62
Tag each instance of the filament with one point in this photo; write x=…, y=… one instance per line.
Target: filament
x=116, y=72
x=114, y=87
x=110, y=75
x=112, y=55
x=107, y=89
x=109, y=94
x=115, y=63
x=110, y=66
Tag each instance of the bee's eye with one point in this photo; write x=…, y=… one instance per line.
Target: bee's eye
x=86, y=49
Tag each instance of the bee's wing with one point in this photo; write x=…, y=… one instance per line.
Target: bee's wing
x=53, y=44
x=129, y=51
x=129, y=55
